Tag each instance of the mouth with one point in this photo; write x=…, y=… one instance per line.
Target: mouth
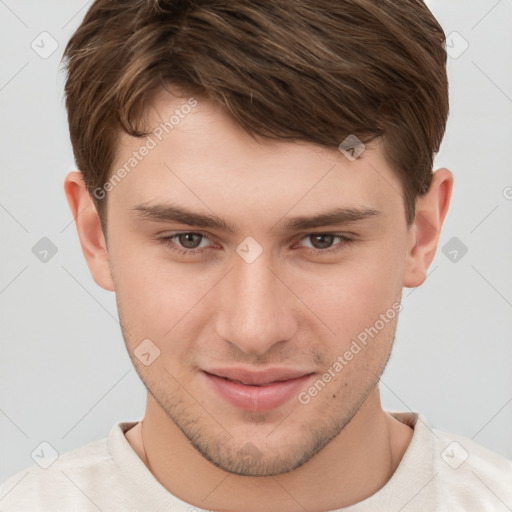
x=248, y=383
x=257, y=392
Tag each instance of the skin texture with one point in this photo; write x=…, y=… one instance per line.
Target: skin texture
x=292, y=307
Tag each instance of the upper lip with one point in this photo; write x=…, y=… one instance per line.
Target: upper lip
x=257, y=377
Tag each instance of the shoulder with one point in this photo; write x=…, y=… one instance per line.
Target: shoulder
x=60, y=482
x=449, y=472
x=470, y=474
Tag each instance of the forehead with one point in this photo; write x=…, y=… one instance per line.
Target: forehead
x=198, y=154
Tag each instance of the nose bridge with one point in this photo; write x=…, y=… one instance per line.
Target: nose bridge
x=256, y=311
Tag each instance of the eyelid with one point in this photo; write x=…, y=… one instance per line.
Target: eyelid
x=172, y=234
x=296, y=238
x=343, y=234
x=346, y=239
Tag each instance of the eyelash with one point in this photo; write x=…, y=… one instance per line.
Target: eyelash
x=167, y=241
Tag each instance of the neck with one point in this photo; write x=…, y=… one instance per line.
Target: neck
x=353, y=466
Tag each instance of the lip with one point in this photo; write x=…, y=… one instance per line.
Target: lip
x=257, y=391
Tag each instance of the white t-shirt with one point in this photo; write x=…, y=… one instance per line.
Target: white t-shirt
x=438, y=472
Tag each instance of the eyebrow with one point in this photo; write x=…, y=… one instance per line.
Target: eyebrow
x=171, y=213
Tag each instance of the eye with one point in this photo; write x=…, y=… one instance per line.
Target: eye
x=187, y=243
x=189, y=240
x=322, y=243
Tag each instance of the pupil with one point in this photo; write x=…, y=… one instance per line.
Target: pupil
x=323, y=245
x=185, y=240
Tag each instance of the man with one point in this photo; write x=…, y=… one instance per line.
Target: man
x=255, y=184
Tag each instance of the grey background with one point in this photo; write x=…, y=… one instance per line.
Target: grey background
x=65, y=376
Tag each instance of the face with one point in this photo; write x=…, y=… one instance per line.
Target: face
x=271, y=292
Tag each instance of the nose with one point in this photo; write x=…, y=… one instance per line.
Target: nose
x=256, y=310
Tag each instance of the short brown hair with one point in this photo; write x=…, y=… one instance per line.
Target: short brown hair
x=308, y=70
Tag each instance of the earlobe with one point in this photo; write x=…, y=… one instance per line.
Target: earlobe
x=431, y=210
x=89, y=230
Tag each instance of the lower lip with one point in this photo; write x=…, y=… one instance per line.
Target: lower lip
x=257, y=398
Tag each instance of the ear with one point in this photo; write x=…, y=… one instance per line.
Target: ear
x=424, y=233
x=89, y=230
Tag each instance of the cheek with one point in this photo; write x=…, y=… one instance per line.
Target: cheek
x=156, y=293
x=351, y=296
x=156, y=296
x=144, y=285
